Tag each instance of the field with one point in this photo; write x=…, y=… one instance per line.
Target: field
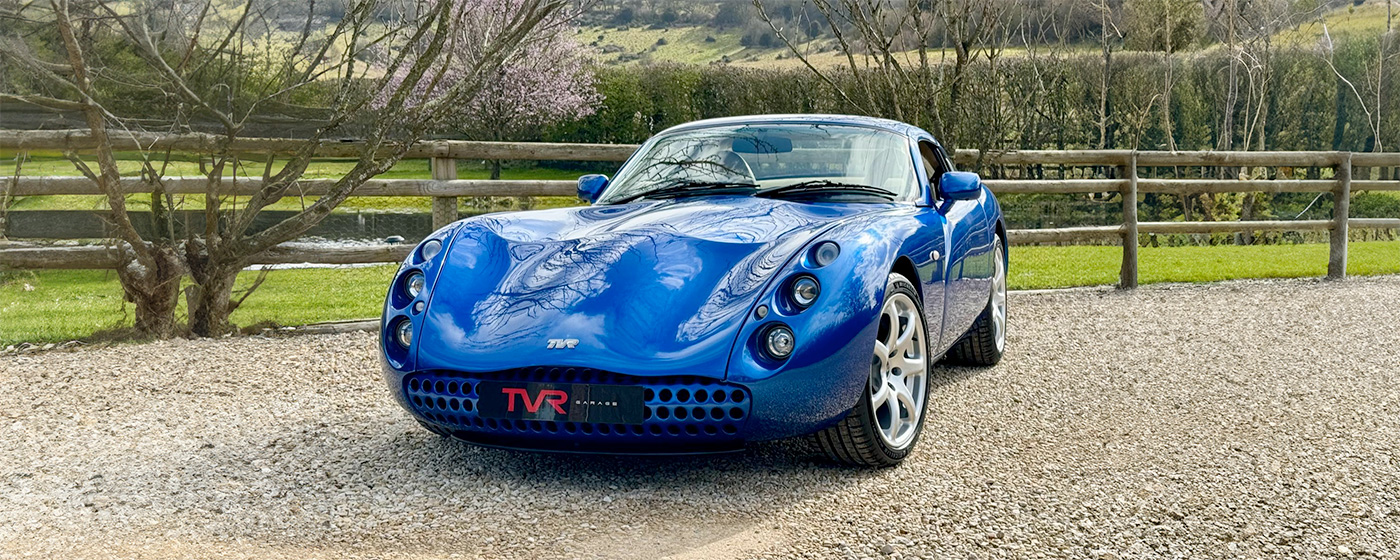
x=706, y=45
x=52, y=164
x=709, y=45
x=59, y=305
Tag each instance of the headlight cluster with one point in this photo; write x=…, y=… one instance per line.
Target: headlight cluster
x=413, y=285
x=798, y=293
x=406, y=297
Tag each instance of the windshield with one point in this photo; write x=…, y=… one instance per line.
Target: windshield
x=769, y=156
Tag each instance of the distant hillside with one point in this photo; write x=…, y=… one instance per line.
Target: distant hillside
x=689, y=39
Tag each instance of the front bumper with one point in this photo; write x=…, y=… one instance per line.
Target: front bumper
x=682, y=413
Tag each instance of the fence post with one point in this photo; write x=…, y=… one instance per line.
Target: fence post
x=1341, y=212
x=444, y=207
x=1128, y=276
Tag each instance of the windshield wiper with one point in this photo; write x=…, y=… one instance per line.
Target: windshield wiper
x=686, y=187
x=823, y=186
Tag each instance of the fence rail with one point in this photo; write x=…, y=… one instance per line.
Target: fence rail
x=445, y=188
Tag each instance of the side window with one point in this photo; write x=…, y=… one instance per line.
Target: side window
x=934, y=163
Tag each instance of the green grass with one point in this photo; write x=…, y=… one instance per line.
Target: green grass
x=59, y=305
x=1061, y=267
x=685, y=45
x=1367, y=20
x=688, y=45
x=50, y=164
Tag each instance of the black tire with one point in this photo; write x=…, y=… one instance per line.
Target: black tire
x=979, y=345
x=856, y=440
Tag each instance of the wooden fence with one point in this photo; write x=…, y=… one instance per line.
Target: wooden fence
x=445, y=188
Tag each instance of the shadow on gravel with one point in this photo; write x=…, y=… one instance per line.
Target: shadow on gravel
x=583, y=470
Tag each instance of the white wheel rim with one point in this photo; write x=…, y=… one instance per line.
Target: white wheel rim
x=999, y=298
x=899, y=371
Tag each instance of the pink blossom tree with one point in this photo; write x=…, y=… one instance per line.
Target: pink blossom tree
x=549, y=82
x=545, y=80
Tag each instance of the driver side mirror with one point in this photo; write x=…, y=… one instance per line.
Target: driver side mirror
x=960, y=185
x=590, y=186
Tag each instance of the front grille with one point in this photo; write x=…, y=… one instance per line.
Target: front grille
x=676, y=407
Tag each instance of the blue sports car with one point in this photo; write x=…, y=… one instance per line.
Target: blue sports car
x=740, y=279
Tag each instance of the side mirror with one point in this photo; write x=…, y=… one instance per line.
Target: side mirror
x=590, y=186
x=960, y=185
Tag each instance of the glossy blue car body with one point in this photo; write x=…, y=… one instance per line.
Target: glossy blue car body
x=664, y=294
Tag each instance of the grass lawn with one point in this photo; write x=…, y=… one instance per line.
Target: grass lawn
x=58, y=305
x=1060, y=267
x=53, y=164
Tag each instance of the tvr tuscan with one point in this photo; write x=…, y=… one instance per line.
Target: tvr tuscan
x=739, y=279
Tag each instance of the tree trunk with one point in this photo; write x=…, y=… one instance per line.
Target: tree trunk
x=210, y=296
x=154, y=291
x=1167, y=128
x=1339, y=118
x=1247, y=214
x=1104, y=89
x=210, y=306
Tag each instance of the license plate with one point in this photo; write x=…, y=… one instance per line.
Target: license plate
x=561, y=402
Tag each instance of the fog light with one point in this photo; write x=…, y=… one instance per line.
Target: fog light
x=414, y=284
x=403, y=333
x=804, y=291
x=778, y=342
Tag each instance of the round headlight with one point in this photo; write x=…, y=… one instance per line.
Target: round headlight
x=414, y=284
x=403, y=333
x=825, y=252
x=779, y=341
x=430, y=249
x=804, y=291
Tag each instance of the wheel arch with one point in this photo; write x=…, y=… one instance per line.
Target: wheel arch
x=904, y=266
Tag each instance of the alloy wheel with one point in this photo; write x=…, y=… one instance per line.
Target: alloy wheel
x=899, y=371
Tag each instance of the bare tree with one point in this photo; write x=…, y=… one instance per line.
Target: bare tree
x=886, y=46
x=1109, y=35
x=1367, y=84
x=219, y=70
x=1168, y=27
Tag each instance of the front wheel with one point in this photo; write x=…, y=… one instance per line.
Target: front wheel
x=882, y=429
x=986, y=340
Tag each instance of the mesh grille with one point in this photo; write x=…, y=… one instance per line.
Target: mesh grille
x=675, y=406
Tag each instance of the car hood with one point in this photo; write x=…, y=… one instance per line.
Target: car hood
x=648, y=288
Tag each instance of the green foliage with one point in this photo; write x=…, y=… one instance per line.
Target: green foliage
x=732, y=14
x=1047, y=101
x=1163, y=25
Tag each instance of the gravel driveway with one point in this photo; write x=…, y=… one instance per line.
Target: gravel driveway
x=1249, y=419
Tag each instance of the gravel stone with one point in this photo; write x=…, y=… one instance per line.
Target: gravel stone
x=1237, y=420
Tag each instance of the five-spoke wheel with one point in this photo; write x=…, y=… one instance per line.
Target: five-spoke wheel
x=884, y=426
x=899, y=370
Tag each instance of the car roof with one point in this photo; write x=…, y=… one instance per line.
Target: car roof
x=850, y=120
